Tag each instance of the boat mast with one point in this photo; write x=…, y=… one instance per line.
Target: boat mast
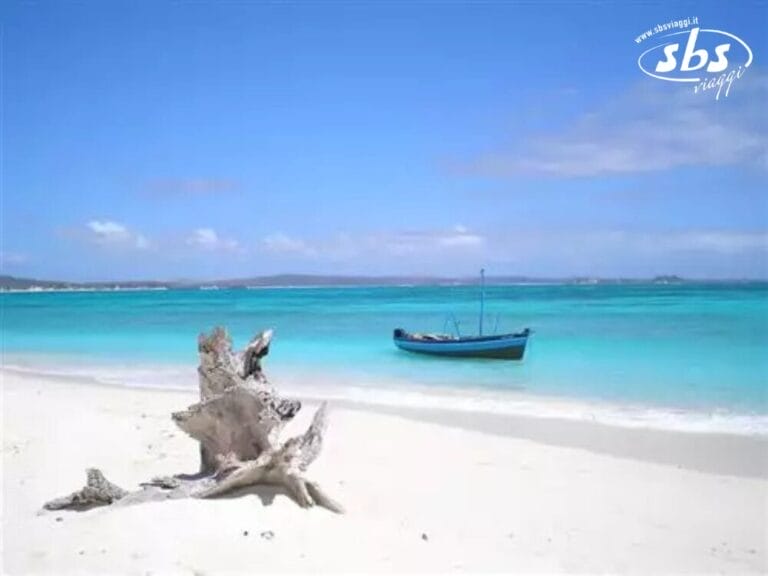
x=482, y=298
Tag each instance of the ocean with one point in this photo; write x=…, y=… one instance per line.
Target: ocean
x=679, y=350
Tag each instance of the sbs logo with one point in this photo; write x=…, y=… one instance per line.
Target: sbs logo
x=710, y=58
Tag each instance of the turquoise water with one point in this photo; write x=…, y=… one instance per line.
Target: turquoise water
x=688, y=346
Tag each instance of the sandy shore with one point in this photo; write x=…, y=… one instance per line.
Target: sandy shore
x=425, y=491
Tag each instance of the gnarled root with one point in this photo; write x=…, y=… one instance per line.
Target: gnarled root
x=282, y=467
x=98, y=491
x=237, y=422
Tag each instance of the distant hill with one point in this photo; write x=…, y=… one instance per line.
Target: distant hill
x=12, y=283
x=277, y=280
x=668, y=279
x=320, y=280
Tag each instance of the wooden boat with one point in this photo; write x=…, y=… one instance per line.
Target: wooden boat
x=499, y=346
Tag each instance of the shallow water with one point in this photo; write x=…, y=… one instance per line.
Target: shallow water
x=692, y=346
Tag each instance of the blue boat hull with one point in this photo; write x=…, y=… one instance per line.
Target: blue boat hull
x=502, y=347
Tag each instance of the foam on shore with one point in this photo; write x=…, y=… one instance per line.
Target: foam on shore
x=369, y=390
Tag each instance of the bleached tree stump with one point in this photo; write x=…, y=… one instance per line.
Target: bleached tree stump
x=237, y=423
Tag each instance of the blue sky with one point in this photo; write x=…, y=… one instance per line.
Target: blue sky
x=202, y=140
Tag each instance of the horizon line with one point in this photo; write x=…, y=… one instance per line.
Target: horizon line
x=352, y=278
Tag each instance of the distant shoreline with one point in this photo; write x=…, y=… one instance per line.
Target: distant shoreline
x=11, y=284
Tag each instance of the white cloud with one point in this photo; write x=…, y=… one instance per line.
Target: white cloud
x=344, y=246
x=111, y=233
x=595, y=242
x=108, y=230
x=428, y=241
x=718, y=242
x=552, y=252
x=280, y=243
x=534, y=252
x=649, y=128
x=694, y=253
x=208, y=239
x=460, y=236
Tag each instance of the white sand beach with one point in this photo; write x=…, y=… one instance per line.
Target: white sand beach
x=425, y=491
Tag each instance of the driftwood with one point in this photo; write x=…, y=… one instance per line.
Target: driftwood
x=237, y=423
